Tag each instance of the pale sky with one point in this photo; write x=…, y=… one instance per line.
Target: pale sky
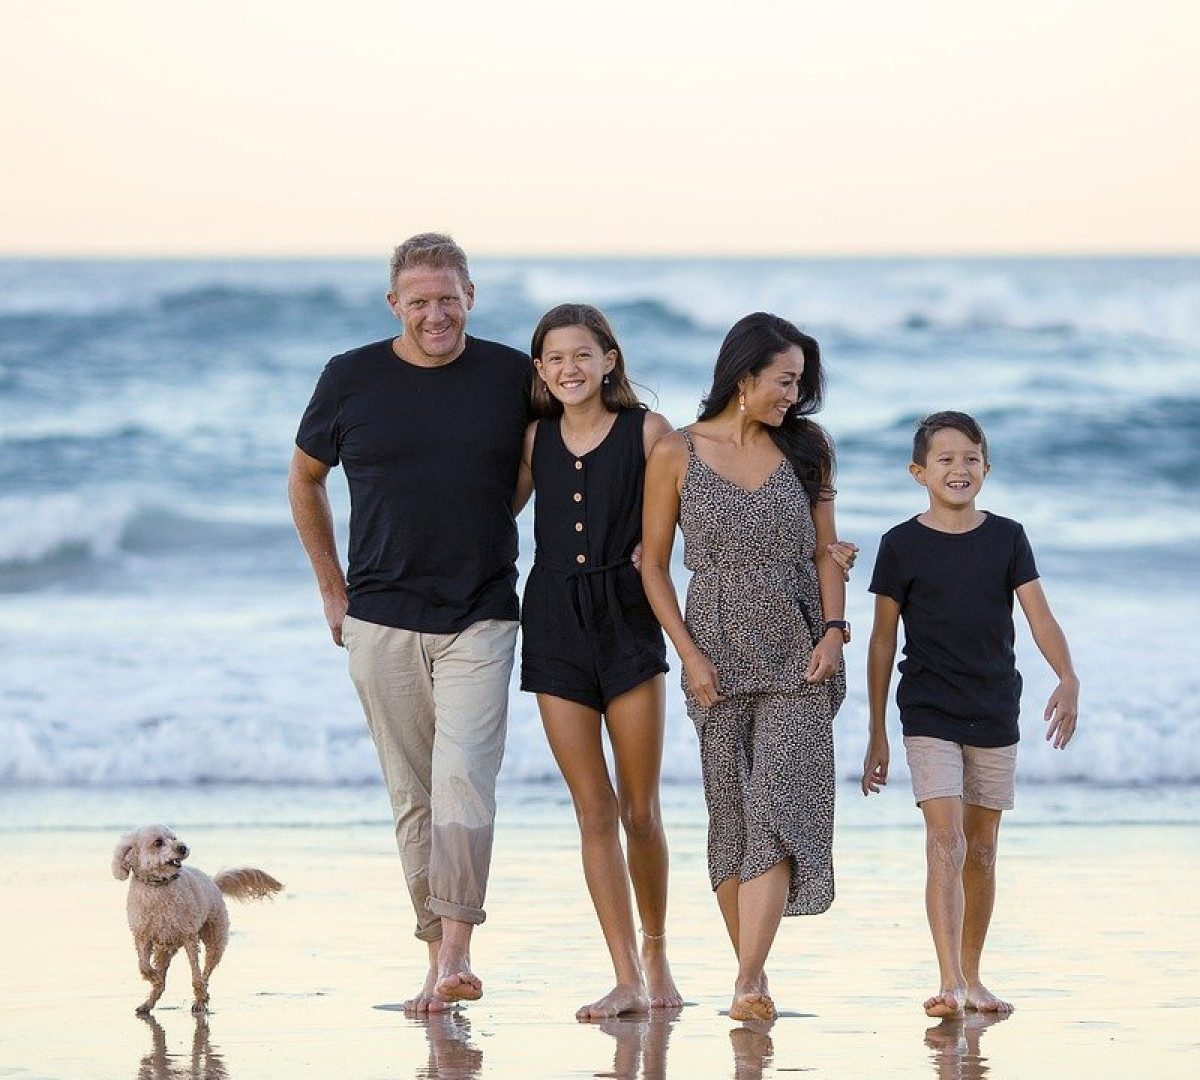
x=145, y=127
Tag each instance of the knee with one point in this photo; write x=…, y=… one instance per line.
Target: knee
x=597, y=817
x=946, y=849
x=642, y=823
x=981, y=855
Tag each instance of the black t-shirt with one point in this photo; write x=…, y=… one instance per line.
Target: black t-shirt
x=431, y=457
x=959, y=679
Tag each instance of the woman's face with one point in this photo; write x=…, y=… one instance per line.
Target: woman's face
x=775, y=389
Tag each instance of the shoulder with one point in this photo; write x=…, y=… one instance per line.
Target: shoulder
x=654, y=427
x=354, y=361
x=1012, y=531
x=669, y=452
x=497, y=353
x=904, y=535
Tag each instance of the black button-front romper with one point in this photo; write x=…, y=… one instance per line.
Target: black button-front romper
x=588, y=634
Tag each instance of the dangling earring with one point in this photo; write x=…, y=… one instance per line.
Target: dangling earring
x=742, y=401
x=605, y=380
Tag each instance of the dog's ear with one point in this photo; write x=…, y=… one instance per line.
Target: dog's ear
x=123, y=858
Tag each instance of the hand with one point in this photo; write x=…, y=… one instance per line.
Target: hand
x=1062, y=711
x=826, y=658
x=875, y=766
x=635, y=557
x=336, y=606
x=703, y=682
x=843, y=553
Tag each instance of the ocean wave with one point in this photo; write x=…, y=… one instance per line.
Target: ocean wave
x=67, y=530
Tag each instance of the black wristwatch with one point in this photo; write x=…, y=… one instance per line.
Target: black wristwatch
x=839, y=624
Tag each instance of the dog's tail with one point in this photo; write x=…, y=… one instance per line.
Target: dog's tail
x=246, y=883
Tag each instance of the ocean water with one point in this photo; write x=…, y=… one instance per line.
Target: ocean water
x=159, y=623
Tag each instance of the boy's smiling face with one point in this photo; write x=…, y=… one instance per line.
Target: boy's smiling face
x=953, y=471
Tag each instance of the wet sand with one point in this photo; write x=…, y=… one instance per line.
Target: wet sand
x=1095, y=939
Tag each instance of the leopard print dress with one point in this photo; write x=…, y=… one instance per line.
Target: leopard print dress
x=754, y=609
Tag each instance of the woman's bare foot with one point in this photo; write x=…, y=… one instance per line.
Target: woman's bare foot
x=981, y=999
x=752, y=1002
x=618, y=1001
x=947, y=1003
x=659, y=983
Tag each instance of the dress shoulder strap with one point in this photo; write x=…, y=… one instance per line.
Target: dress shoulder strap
x=687, y=438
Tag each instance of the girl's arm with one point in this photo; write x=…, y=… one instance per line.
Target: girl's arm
x=665, y=470
x=524, y=486
x=881, y=654
x=1062, y=710
x=828, y=651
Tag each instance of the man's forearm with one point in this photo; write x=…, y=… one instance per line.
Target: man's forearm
x=313, y=518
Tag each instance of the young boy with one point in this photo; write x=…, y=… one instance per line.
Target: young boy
x=950, y=574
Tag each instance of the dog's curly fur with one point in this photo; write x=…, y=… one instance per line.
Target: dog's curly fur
x=173, y=907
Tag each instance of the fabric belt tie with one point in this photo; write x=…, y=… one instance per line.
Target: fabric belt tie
x=581, y=594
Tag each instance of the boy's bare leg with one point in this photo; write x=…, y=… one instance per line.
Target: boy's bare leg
x=455, y=980
x=945, y=854
x=982, y=828
x=426, y=1002
x=760, y=908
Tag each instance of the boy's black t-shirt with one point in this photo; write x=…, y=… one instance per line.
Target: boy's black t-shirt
x=959, y=679
x=431, y=458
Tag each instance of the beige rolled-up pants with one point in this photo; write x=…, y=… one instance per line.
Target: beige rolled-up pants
x=437, y=707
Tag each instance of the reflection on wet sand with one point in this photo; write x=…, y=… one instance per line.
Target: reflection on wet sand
x=204, y=1063
x=752, y=1049
x=641, y=1051
x=955, y=1046
x=451, y=1055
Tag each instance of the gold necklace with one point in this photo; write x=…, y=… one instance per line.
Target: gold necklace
x=591, y=442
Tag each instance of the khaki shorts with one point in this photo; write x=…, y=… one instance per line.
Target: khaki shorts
x=980, y=775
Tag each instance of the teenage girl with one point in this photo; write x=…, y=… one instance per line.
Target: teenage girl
x=592, y=649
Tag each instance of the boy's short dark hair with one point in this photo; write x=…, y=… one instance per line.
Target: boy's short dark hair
x=939, y=421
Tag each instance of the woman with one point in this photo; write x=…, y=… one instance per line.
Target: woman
x=761, y=644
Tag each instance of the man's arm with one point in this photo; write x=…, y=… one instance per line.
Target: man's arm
x=1062, y=710
x=881, y=654
x=524, y=486
x=314, y=522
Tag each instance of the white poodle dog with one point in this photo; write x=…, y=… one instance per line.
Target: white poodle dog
x=173, y=907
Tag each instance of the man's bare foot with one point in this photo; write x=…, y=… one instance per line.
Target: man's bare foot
x=456, y=982
x=617, y=1002
x=752, y=1003
x=981, y=999
x=426, y=1002
x=947, y=1003
x=659, y=983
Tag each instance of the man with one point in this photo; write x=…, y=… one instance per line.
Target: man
x=428, y=427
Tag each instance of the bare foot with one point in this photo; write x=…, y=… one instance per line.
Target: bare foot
x=659, y=983
x=752, y=1003
x=618, y=1001
x=981, y=999
x=426, y=1002
x=947, y=1003
x=458, y=986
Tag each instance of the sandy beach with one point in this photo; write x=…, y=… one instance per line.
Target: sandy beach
x=1094, y=939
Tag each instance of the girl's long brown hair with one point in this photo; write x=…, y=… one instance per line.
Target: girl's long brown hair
x=616, y=391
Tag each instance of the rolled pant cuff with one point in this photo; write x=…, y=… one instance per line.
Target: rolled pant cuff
x=446, y=910
x=429, y=933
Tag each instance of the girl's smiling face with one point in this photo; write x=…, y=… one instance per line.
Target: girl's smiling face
x=771, y=393
x=573, y=364
x=954, y=469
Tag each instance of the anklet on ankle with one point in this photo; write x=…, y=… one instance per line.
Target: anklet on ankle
x=653, y=937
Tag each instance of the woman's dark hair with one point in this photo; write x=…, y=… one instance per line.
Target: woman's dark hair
x=616, y=393
x=939, y=421
x=749, y=348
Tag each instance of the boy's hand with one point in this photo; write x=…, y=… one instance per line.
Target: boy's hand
x=1062, y=711
x=875, y=766
x=843, y=553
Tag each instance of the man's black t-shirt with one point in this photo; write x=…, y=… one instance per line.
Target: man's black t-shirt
x=431, y=457
x=959, y=679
